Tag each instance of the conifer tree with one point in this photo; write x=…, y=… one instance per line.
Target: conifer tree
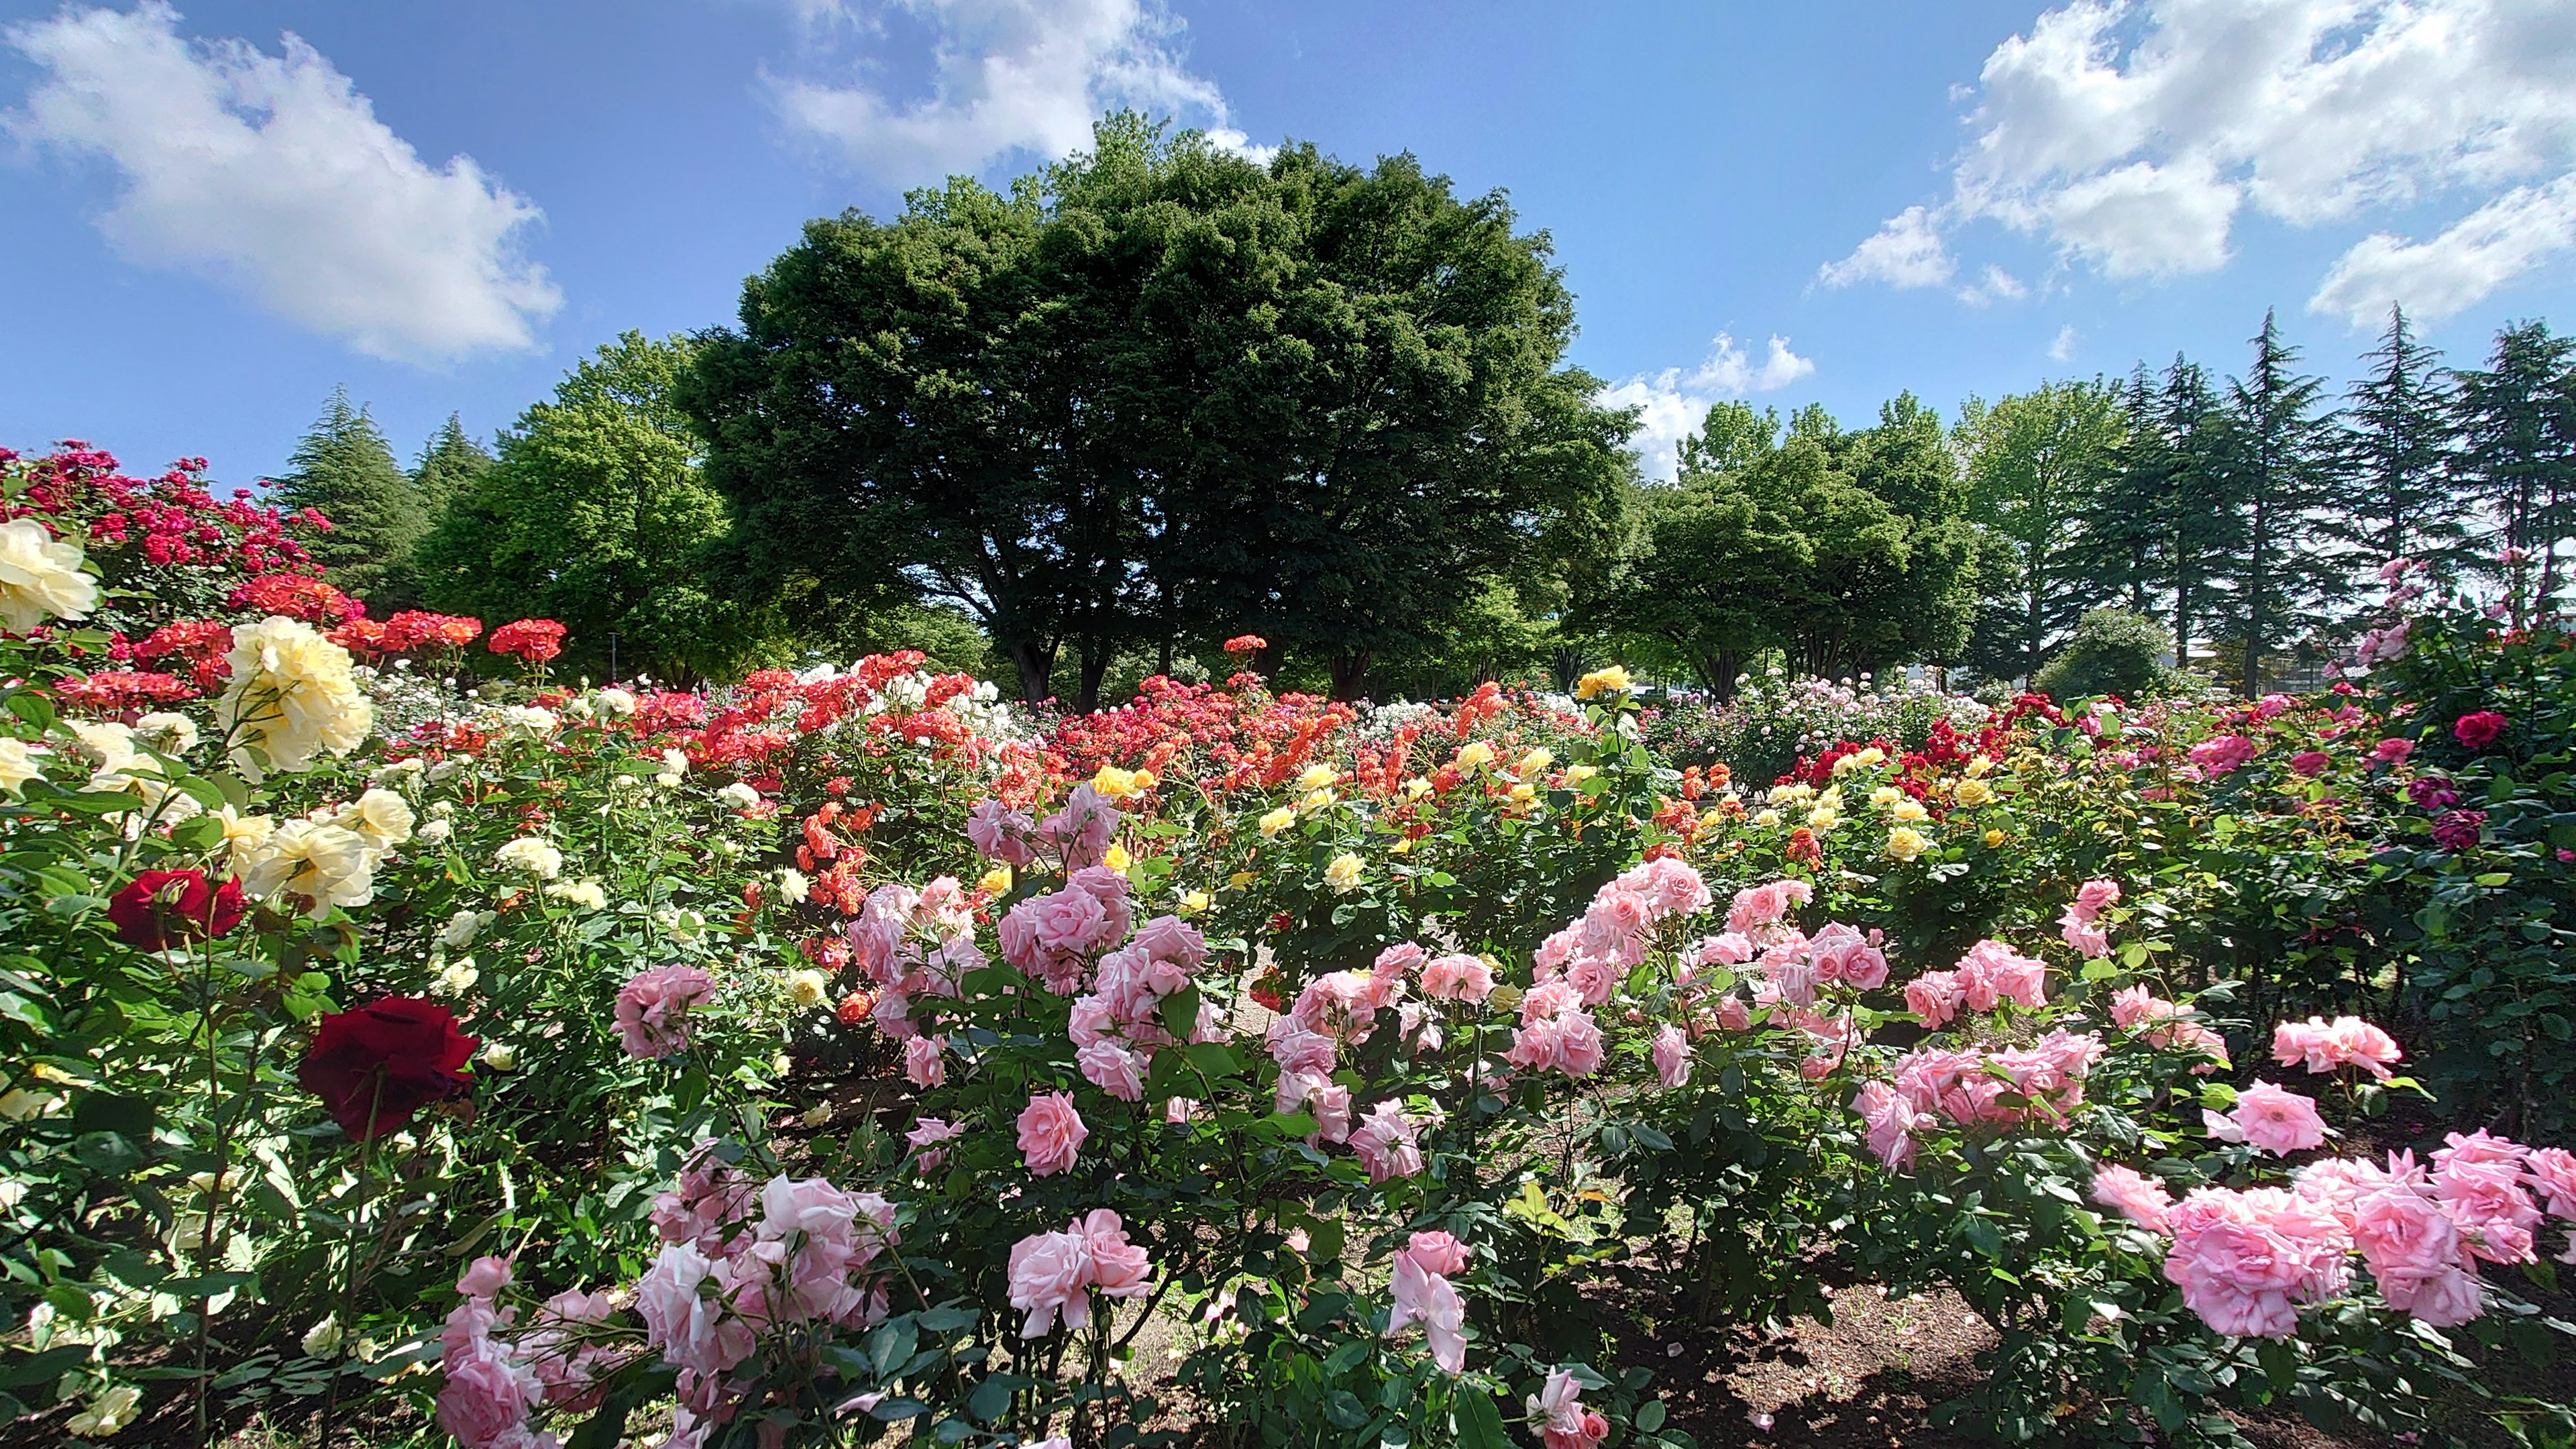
x=344, y=470
x=2398, y=457
x=449, y=464
x=2517, y=420
x=2280, y=468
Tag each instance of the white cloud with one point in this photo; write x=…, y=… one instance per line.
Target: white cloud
x=1993, y=285
x=2437, y=279
x=1007, y=76
x=2063, y=349
x=1906, y=252
x=1672, y=404
x=272, y=175
x=2133, y=133
x=1227, y=138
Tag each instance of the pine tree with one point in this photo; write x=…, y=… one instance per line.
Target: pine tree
x=2280, y=466
x=2517, y=420
x=2121, y=550
x=449, y=463
x=2398, y=457
x=2164, y=532
x=344, y=470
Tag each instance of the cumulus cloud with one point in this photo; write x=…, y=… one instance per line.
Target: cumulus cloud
x=2133, y=134
x=1905, y=252
x=272, y=175
x=1006, y=76
x=1672, y=404
x=2436, y=279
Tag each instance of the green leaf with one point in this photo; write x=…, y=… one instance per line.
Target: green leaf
x=1180, y=1012
x=1478, y=1421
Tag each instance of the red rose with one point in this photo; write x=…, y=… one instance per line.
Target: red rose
x=375, y=1066
x=1246, y=644
x=2479, y=730
x=164, y=908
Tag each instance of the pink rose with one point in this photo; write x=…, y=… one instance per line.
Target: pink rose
x=2479, y=730
x=2276, y=1120
x=2392, y=751
x=1564, y=1422
x=1067, y=922
x=689, y=1325
x=1457, y=977
x=1000, y=833
x=1113, y=1069
x=1051, y=1132
x=2223, y=753
x=1438, y=1252
x=488, y=1396
x=1427, y=1297
x=653, y=1008
x=1672, y=1055
x=925, y=1061
x=485, y=1277
x=1169, y=938
x=2140, y=1198
x=1935, y=996
x=2553, y=1174
x=1118, y=1268
x=925, y=1138
x=1051, y=1280
x=2311, y=762
x=1384, y=1141
x=2445, y=1297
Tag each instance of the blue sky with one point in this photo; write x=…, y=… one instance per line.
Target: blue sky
x=441, y=206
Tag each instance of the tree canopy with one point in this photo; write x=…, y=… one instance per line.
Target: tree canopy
x=344, y=469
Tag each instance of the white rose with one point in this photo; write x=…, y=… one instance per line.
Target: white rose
x=41, y=577
x=532, y=855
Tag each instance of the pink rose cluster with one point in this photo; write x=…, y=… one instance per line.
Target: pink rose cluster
x=1077, y=835
x=1967, y=1088
x=2081, y=926
x=1054, y=1274
x=1053, y=937
x=2248, y=1260
x=2223, y=754
x=1563, y=1421
x=1424, y=1295
x=2331, y=1046
x=653, y=1009
x=1789, y=969
x=494, y=1385
x=1117, y=1026
x=2167, y=1024
x=914, y=945
x=1991, y=974
x=1341, y=1007
x=1620, y=927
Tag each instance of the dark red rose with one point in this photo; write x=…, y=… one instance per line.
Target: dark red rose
x=375, y=1066
x=164, y=908
x=2479, y=730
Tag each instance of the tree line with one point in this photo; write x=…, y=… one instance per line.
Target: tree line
x=1158, y=396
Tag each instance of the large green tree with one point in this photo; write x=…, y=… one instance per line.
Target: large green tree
x=2281, y=471
x=1161, y=392
x=2401, y=502
x=450, y=463
x=595, y=515
x=343, y=469
x=2517, y=422
x=2036, y=462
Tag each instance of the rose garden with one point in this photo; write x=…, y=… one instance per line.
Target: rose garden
x=407, y=1041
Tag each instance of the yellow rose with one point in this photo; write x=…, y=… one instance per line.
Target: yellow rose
x=1535, y=763
x=1871, y=758
x=292, y=695
x=1973, y=793
x=1577, y=774
x=1823, y=817
x=1905, y=842
x=1196, y=902
x=1980, y=765
x=995, y=882
x=1767, y=818
x=1278, y=820
x=1316, y=800
x=1522, y=794
x=1317, y=777
x=1120, y=784
x=1885, y=796
x=40, y=577
x=1475, y=754
x=18, y=763
x=326, y=865
x=1343, y=874
x=1241, y=880
x=1994, y=838
x=1116, y=857
x=1613, y=680
x=808, y=988
x=1416, y=788
x=1403, y=846
x=1910, y=809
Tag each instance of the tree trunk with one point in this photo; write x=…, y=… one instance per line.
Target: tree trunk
x=1095, y=667
x=1036, y=664
x=1267, y=661
x=1350, y=675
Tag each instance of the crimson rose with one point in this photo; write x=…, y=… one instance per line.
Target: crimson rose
x=375, y=1066
x=2479, y=730
x=163, y=908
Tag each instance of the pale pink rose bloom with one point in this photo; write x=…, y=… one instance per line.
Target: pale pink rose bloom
x=925, y=1061
x=1578, y=1050
x=1672, y=1055
x=2223, y=754
x=1000, y=833
x=1081, y=831
x=1668, y=885
x=2487, y=1200
x=1050, y=1280
x=1457, y=977
x=1018, y=933
x=1119, y=1269
x=2248, y=1261
x=2093, y=895
x=1438, y=1252
x=1110, y=888
x=2328, y=1046
x=2277, y=1120
x=693, y=1330
x=488, y=1396
x=2087, y=938
x=1733, y=1014
x=2446, y=1297
x=2553, y=1176
x=2401, y=1230
x=1549, y=999
x=1595, y=978
x=1730, y=948
x=2140, y=1198
x=893, y=1016
x=653, y=1008
x=1425, y=1297
x=1051, y=1132
x=879, y=930
x=925, y=1138
x=1384, y=1141
x=1091, y=1019
x=1565, y=1422
x=1893, y=1121
x=1332, y=1106
x=1935, y=996
x=1113, y=1069
x=484, y=1277
x=1068, y=921
x=1179, y=1110
x=1296, y=1049
x=1169, y=938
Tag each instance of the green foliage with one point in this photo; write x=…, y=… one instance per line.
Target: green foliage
x=2035, y=462
x=344, y=469
x=595, y=516
x=2111, y=651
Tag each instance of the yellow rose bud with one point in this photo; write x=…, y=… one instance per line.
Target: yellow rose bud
x=996, y=881
x=1116, y=857
x=1994, y=838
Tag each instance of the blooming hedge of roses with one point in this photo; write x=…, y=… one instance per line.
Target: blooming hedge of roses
x=841, y=1054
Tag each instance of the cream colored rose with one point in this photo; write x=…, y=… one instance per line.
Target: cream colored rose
x=532, y=855
x=292, y=695
x=382, y=816
x=18, y=763
x=171, y=734
x=323, y=865
x=41, y=578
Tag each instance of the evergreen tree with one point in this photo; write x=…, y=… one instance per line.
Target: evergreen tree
x=2517, y=421
x=2121, y=549
x=2280, y=468
x=344, y=470
x=450, y=462
x=2402, y=503
x=2035, y=463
